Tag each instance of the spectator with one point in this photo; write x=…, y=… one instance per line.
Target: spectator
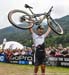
x=65, y=52
x=29, y=51
x=1, y=51
x=15, y=52
x=53, y=51
x=60, y=47
x=68, y=49
x=57, y=53
x=23, y=52
x=48, y=51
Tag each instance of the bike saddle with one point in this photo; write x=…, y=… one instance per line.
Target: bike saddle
x=27, y=6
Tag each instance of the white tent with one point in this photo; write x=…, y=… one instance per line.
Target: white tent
x=13, y=45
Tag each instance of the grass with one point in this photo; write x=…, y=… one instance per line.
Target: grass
x=16, y=69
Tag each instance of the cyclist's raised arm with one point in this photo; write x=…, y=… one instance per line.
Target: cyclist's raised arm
x=31, y=29
x=48, y=31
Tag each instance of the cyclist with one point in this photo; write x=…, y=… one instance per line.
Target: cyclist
x=39, y=55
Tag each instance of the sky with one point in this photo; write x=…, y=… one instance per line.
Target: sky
x=60, y=8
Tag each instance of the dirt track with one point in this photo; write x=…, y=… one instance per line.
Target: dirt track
x=14, y=69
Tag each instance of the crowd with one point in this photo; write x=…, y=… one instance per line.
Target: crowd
x=9, y=53
x=59, y=51
x=50, y=51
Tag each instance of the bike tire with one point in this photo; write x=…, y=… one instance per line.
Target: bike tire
x=53, y=26
x=13, y=23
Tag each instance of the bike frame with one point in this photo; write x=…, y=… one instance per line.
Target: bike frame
x=46, y=15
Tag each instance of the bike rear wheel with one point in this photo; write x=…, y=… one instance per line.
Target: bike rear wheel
x=56, y=27
x=14, y=19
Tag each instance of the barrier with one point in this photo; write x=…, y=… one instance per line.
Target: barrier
x=28, y=59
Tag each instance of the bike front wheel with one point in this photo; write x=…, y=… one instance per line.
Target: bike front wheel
x=14, y=17
x=56, y=27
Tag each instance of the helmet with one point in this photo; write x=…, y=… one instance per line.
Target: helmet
x=40, y=27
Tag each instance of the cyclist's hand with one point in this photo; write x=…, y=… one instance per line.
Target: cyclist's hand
x=40, y=18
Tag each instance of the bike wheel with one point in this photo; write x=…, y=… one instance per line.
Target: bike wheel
x=56, y=27
x=14, y=19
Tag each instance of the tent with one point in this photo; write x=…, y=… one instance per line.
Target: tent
x=13, y=45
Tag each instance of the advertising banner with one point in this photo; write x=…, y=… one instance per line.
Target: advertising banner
x=59, y=61
x=21, y=59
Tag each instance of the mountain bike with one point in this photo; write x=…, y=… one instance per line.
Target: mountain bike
x=15, y=15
